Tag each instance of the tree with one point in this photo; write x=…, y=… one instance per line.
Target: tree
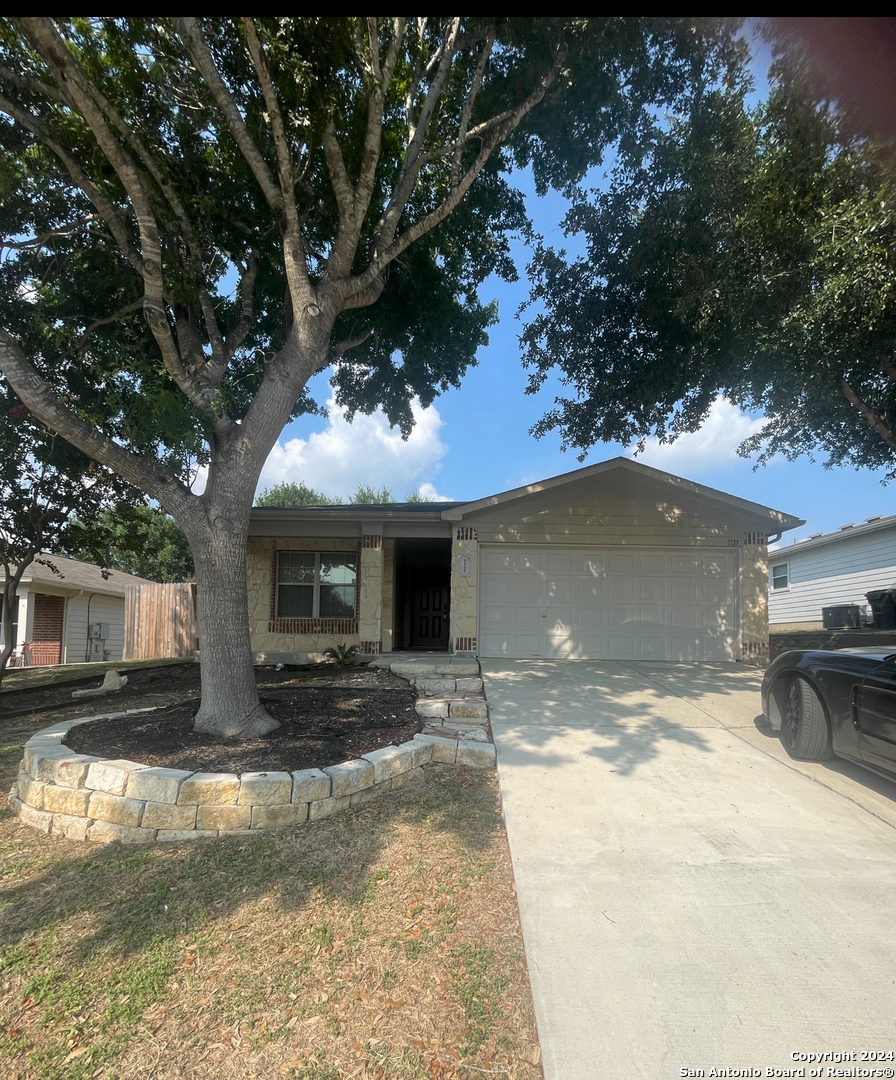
x=135, y=539
x=365, y=495
x=202, y=214
x=44, y=483
x=291, y=494
x=751, y=254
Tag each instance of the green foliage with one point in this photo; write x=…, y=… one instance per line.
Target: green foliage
x=135, y=539
x=752, y=254
x=45, y=486
x=291, y=494
x=365, y=495
x=343, y=655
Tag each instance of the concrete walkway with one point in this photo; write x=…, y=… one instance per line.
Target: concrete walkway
x=690, y=897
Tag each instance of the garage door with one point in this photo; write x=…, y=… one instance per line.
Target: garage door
x=592, y=604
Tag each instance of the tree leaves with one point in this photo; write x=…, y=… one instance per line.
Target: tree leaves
x=752, y=253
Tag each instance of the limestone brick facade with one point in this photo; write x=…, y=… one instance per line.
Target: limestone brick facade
x=464, y=599
x=370, y=594
x=290, y=640
x=388, y=621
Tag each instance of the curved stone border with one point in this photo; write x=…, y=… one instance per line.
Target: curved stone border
x=87, y=798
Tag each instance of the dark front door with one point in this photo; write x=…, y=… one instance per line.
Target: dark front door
x=430, y=617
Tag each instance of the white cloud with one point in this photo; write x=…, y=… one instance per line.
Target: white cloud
x=365, y=451
x=712, y=447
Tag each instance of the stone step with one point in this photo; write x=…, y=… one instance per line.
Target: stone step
x=414, y=669
x=459, y=707
x=430, y=687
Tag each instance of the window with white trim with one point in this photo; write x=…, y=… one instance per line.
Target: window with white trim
x=781, y=575
x=316, y=584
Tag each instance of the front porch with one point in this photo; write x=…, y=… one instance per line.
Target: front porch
x=386, y=594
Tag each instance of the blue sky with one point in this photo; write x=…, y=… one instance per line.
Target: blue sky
x=475, y=441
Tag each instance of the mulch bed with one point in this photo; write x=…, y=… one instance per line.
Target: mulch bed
x=320, y=726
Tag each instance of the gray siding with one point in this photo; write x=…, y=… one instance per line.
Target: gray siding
x=109, y=609
x=831, y=574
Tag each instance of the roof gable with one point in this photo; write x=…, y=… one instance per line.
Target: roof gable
x=620, y=468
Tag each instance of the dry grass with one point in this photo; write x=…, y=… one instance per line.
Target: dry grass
x=383, y=943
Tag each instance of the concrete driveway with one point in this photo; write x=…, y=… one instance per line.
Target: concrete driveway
x=690, y=897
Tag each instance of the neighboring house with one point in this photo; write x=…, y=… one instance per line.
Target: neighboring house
x=72, y=617
x=615, y=560
x=831, y=570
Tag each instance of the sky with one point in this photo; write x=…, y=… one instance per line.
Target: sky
x=475, y=441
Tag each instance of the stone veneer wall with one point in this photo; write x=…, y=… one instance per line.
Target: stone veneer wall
x=269, y=645
x=85, y=798
x=370, y=595
x=464, y=601
x=388, y=595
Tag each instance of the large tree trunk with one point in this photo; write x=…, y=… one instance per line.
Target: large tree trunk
x=229, y=707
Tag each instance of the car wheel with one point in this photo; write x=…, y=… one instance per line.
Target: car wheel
x=804, y=726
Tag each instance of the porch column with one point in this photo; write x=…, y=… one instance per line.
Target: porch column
x=370, y=592
x=464, y=602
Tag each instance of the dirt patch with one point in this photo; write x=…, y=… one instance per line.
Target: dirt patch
x=327, y=715
x=320, y=726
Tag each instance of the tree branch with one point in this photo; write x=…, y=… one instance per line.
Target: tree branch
x=468, y=106
x=339, y=178
x=40, y=241
x=34, y=392
x=293, y=244
x=870, y=415
x=106, y=210
x=190, y=33
x=407, y=178
x=354, y=200
x=82, y=96
x=342, y=347
x=498, y=133
x=128, y=309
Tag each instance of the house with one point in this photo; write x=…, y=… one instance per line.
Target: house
x=72, y=617
x=615, y=560
x=831, y=570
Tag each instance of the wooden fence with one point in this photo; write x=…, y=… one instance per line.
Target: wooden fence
x=159, y=620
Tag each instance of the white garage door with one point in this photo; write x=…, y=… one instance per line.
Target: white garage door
x=593, y=604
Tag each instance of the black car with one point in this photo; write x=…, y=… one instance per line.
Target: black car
x=842, y=703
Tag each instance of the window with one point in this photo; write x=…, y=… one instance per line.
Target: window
x=316, y=584
x=780, y=576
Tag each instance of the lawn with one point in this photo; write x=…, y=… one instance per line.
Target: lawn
x=381, y=943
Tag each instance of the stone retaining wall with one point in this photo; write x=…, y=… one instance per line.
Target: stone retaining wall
x=86, y=798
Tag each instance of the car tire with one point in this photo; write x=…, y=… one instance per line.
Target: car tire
x=804, y=726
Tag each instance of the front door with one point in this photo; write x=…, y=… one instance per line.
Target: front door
x=430, y=617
